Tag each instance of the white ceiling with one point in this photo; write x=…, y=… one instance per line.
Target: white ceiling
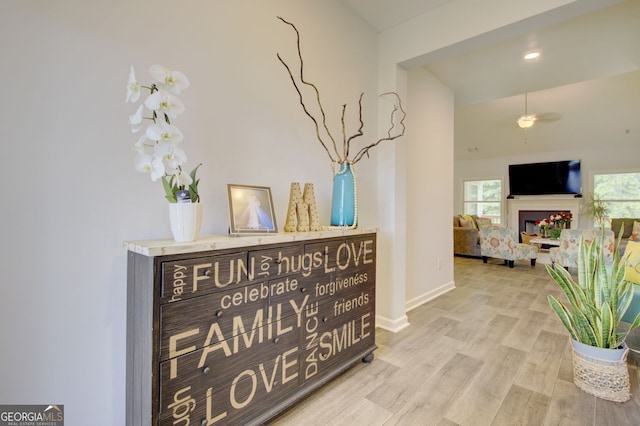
x=385, y=14
x=589, y=73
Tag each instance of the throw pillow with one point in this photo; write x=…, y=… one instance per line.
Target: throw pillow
x=631, y=261
x=483, y=221
x=635, y=234
x=466, y=223
x=469, y=218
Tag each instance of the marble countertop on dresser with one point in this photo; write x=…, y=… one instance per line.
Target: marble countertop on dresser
x=218, y=242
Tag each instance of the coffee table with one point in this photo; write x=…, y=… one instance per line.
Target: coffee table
x=546, y=241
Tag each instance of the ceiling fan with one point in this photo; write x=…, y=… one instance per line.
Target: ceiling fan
x=527, y=120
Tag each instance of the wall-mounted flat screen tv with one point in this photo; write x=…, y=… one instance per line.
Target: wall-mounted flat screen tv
x=556, y=177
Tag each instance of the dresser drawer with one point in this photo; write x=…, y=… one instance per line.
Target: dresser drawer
x=276, y=262
x=345, y=254
x=222, y=360
x=321, y=288
x=254, y=388
x=183, y=279
x=336, y=331
x=221, y=314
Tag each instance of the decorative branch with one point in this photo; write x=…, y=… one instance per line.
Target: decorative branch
x=305, y=109
x=359, y=132
x=389, y=137
x=346, y=142
x=345, y=149
x=324, y=117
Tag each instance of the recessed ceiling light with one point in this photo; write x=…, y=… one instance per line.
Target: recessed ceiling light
x=530, y=56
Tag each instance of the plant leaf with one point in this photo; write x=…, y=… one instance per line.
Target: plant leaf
x=564, y=281
x=584, y=329
x=193, y=188
x=169, y=192
x=607, y=333
x=564, y=315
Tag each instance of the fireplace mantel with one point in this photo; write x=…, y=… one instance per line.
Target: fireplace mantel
x=560, y=203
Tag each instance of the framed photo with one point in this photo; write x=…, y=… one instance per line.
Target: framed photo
x=251, y=210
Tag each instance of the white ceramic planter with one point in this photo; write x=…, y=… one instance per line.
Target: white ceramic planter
x=185, y=220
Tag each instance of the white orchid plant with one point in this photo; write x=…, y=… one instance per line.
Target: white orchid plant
x=158, y=148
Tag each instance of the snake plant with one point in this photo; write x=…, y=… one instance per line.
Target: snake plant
x=597, y=300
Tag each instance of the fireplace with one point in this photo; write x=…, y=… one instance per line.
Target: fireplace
x=524, y=211
x=527, y=220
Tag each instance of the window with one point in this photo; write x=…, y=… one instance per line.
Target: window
x=621, y=192
x=483, y=198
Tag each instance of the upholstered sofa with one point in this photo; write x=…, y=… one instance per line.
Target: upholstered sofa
x=466, y=239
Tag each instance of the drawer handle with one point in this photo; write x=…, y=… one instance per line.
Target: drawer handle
x=278, y=261
x=325, y=319
x=324, y=357
x=206, y=370
x=207, y=273
x=276, y=340
x=219, y=314
x=203, y=422
x=302, y=289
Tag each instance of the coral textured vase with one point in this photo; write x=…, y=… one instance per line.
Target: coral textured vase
x=185, y=220
x=343, y=199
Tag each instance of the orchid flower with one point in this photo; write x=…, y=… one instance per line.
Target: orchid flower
x=173, y=81
x=139, y=145
x=153, y=165
x=172, y=156
x=164, y=132
x=136, y=119
x=164, y=102
x=182, y=179
x=133, y=88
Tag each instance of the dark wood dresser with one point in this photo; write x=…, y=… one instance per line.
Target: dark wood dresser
x=234, y=330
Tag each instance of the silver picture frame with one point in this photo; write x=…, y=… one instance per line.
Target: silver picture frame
x=251, y=210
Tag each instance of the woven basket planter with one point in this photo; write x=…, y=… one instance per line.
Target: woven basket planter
x=601, y=372
x=527, y=237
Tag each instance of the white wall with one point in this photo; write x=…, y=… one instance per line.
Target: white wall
x=71, y=193
x=429, y=201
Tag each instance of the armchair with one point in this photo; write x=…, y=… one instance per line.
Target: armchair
x=502, y=243
x=567, y=253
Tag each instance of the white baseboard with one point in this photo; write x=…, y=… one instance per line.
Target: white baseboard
x=424, y=298
x=393, y=326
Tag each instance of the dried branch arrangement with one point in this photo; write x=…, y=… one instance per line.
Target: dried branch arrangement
x=394, y=132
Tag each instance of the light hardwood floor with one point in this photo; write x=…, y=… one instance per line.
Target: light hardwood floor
x=490, y=352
